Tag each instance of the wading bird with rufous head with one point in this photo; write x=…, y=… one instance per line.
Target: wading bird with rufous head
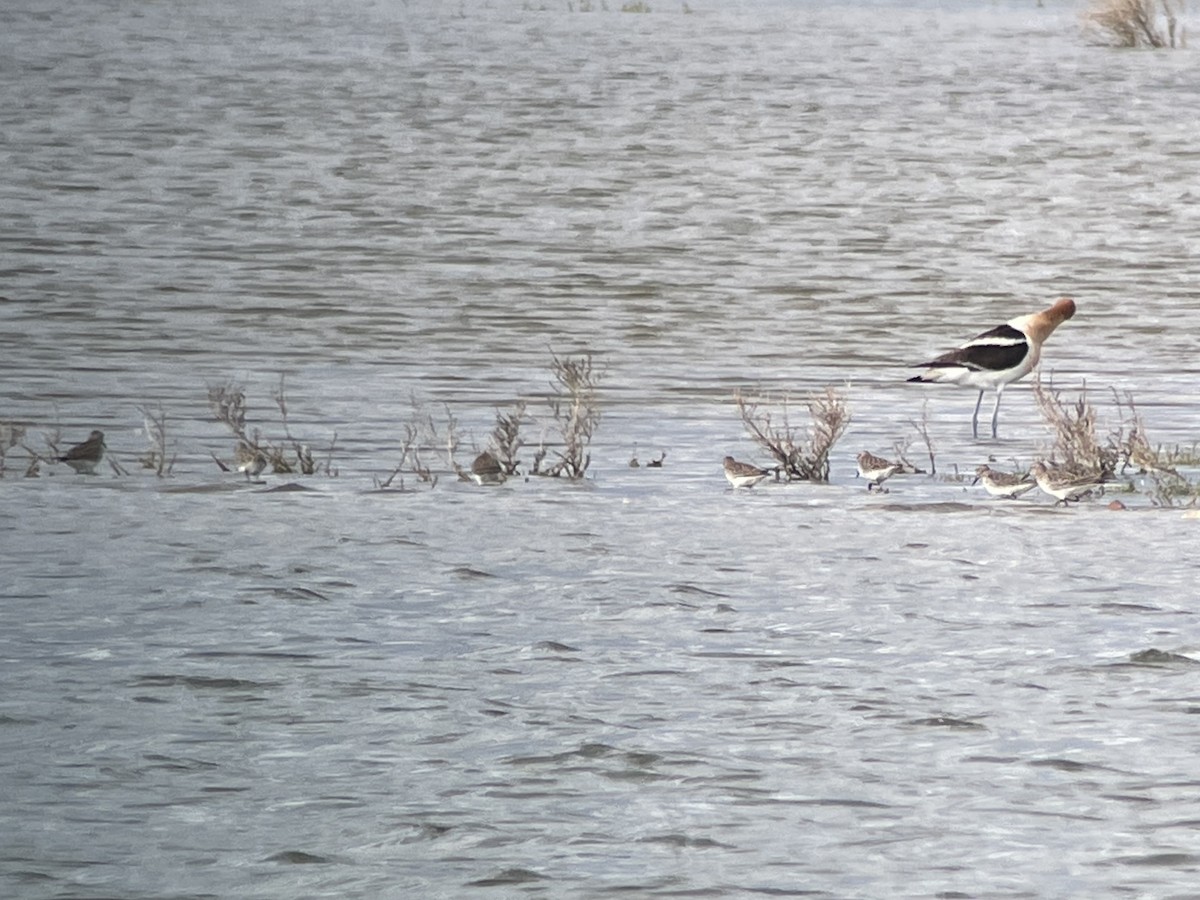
x=997, y=357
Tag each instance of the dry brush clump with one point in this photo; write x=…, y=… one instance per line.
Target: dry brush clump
x=575, y=415
x=424, y=436
x=801, y=452
x=12, y=436
x=1169, y=487
x=1136, y=23
x=1073, y=424
x=1077, y=447
x=505, y=441
x=227, y=403
x=160, y=456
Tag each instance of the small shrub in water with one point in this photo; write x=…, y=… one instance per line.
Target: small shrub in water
x=802, y=454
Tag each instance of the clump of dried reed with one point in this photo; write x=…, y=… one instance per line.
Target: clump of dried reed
x=575, y=413
x=505, y=441
x=1169, y=488
x=12, y=436
x=423, y=435
x=1135, y=23
x=155, y=458
x=801, y=452
x=1073, y=424
x=901, y=446
x=227, y=403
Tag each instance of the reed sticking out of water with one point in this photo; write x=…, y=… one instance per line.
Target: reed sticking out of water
x=1170, y=488
x=11, y=436
x=228, y=405
x=154, y=422
x=1076, y=445
x=1135, y=23
x=921, y=426
x=506, y=441
x=576, y=415
x=803, y=455
x=423, y=433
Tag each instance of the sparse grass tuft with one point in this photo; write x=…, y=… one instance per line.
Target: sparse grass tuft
x=423, y=434
x=1076, y=446
x=1169, y=487
x=1134, y=23
x=11, y=436
x=506, y=441
x=802, y=455
x=576, y=416
x=154, y=422
x=228, y=405
x=921, y=426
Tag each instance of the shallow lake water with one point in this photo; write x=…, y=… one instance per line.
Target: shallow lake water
x=645, y=683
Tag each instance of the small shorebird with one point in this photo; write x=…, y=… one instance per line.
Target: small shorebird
x=1062, y=483
x=742, y=474
x=1003, y=484
x=998, y=357
x=486, y=469
x=250, y=460
x=84, y=458
x=876, y=469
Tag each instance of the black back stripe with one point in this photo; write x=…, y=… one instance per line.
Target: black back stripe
x=984, y=357
x=1001, y=334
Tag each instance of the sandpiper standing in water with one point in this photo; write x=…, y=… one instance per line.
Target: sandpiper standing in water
x=1063, y=484
x=876, y=470
x=486, y=469
x=251, y=461
x=84, y=458
x=1003, y=484
x=741, y=474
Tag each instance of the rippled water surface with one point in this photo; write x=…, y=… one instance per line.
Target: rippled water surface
x=644, y=684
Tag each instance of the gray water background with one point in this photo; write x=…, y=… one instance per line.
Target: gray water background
x=646, y=684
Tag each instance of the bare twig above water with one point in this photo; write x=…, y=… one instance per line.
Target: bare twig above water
x=506, y=441
x=1134, y=23
x=11, y=437
x=575, y=414
x=154, y=423
x=228, y=405
x=1076, y=446
x=922, y=428
x=802, y=454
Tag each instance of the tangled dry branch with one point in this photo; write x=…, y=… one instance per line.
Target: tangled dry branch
x=802, y=453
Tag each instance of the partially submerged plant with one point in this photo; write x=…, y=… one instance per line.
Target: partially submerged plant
x=1076, y=446
x=154, y=422
x=1132, y=443
x=1169, y=487
x=922, y=428
x=1134, y=23
x=506, y=442
x=228, y=404
x=424, y=434
x=11, y=436
x=576, y=415
x=802, y=454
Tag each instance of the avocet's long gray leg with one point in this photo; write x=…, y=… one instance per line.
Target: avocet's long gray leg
x=996, y=410
x=975, y=418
